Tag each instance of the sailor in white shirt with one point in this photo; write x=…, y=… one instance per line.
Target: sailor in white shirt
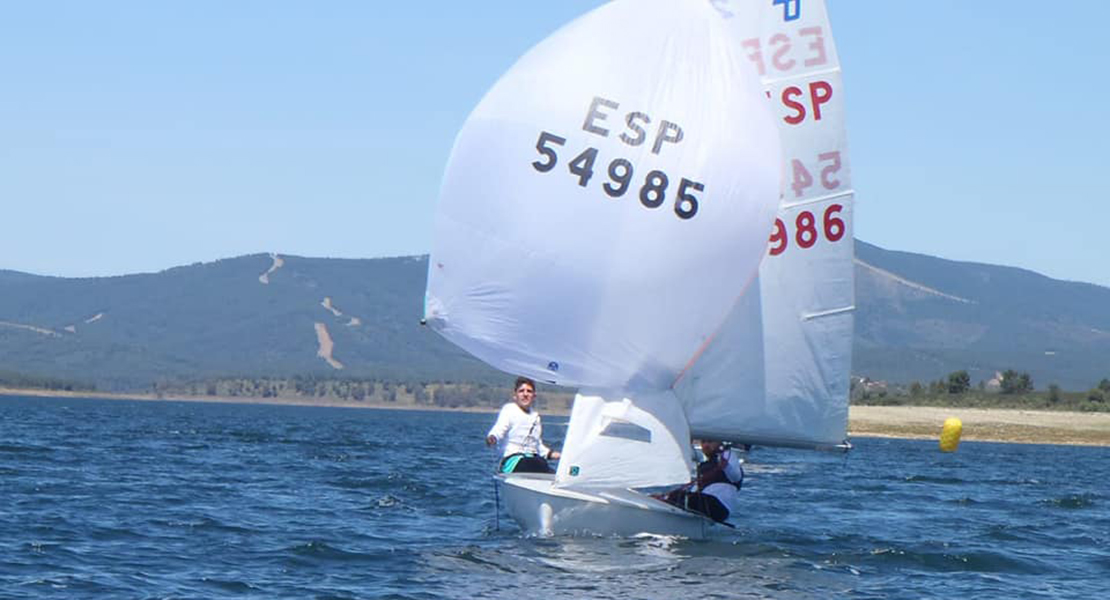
x=720, y=476
x=716, y=490
x=519, y=433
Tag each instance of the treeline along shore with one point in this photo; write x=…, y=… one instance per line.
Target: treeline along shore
x=1049, y=417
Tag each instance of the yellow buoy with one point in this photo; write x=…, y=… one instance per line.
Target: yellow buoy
x=950, y=435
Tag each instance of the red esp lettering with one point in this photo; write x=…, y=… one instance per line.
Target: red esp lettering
x=820, y=92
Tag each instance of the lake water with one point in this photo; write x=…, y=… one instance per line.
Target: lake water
x=117, y=499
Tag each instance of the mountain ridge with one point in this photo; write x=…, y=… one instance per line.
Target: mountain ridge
x=275, y=315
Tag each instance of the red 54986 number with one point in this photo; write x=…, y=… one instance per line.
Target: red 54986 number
x=806, y=230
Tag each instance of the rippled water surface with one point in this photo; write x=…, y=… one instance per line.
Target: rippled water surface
x=187, y=500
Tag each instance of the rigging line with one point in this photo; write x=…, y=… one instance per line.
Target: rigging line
x=496, y=506
x=496, y=494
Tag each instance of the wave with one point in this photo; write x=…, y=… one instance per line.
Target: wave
x=1071, y=502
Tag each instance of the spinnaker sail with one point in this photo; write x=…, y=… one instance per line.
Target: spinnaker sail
x=608, y=200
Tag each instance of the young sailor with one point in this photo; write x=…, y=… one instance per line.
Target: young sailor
x=519, y=432
x=715, y=491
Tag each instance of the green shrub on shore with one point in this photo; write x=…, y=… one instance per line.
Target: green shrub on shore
x=953, y=391
x=10, y=379
x=1053, y=399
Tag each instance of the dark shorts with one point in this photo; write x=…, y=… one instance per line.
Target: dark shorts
x=705, y=504
x=525, y=463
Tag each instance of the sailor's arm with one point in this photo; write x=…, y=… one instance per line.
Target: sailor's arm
x=548, y=453
x=732, y=467
x=499, y=429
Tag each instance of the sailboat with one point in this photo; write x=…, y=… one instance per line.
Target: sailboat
x=653, y=206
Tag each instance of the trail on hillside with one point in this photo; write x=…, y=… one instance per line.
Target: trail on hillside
x=42, y=330
x=326, y=303
x=913, y=285
x=323, y=338
x=278, y=263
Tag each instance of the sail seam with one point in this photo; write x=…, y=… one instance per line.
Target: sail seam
x=804, y=75
x=828, y=313
x=788, y=205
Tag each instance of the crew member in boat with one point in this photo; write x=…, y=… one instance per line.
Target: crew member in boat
x=715, y=491
x=519, y=433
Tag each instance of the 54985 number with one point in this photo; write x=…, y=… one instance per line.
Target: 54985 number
x=653, y=192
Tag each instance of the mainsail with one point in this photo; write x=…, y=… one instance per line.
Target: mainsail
x=777, y=371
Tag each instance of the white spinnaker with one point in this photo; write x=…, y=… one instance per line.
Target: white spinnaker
x=615, y=442
x=777, y=372
x=537, y=270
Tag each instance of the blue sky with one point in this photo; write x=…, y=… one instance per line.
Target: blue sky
x=137, y=136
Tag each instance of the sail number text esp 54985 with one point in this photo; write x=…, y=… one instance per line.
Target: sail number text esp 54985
x=652, y=187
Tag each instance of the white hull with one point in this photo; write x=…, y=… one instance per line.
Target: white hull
x=541, y=509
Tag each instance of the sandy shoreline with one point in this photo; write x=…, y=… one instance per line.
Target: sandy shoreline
x=996, y=425
x=910, y=422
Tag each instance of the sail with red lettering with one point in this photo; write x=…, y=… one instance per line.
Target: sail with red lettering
x=777, y=372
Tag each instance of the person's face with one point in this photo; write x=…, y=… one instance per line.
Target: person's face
x=710, y=448
x=524, y=395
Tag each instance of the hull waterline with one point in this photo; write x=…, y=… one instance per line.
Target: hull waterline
x=542, y=509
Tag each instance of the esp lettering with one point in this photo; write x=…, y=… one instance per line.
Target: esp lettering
x=785, y=52
x=635, y=122
x=820, y=92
